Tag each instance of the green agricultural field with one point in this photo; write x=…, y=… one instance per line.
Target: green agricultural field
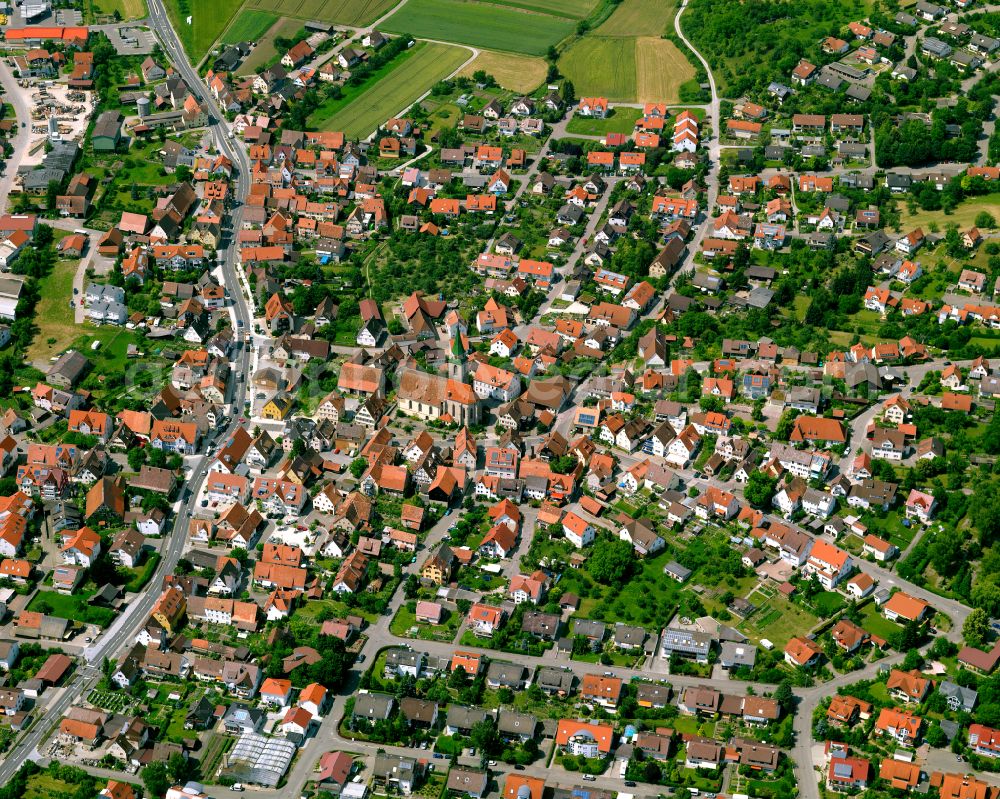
x=601, y=67
x=519, y=73
x=571, y=9
x=208, y=19
x=249, y=26
x=660, y=69
x=425, y=66
x=640, y=18
x=498, y=27
x=343, y=12
x=265, y=51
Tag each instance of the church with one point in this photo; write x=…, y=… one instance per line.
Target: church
x=431, y=396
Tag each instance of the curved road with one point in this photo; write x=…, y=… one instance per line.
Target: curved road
x=714, y=150
x=128, y=624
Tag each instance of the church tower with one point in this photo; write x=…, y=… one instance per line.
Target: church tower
x=457, y=365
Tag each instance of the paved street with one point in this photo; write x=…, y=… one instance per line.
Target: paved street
x=22, y=136
x=135, y=614
x=378, y=636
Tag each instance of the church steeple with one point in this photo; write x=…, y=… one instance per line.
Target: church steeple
x=456, y=361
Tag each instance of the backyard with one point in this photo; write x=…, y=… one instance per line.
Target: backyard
x=877, y=624
x=777, y=620
x=75, y=608
x=405, y=622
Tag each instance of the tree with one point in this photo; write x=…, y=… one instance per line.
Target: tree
x=458, y=678
x=976, y=627
x=985, y=219
x=358, y=466
x=936, y=736
x=51, y=192
x=759, y=489
x=136, y=458
x=783, y=430
x=909, y=637
x=783, y=695
x=563, y=464
x=913, y=660
x=180, y=768
x=484, y=736
x=568, y=92
x=154, y=777
x=610, y=562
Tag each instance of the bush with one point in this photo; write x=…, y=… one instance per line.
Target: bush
x=138, y=582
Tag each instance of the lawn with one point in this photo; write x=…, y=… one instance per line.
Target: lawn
x=963, y=216
x=519, y=73
x=601, y=67
x=405, y=620
x=877, y=624
x=660, y=69
x=129, y=9
x=480, y=25
x=639, y=18
x=249, y=26
x=75, y=608
x=53, y=314
x=344, y=12
x=424, y=66
x=778, y=620
x=827, y=603
x=333, y=609
x=45, y=786
x=208, y=19
x=619, y=120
